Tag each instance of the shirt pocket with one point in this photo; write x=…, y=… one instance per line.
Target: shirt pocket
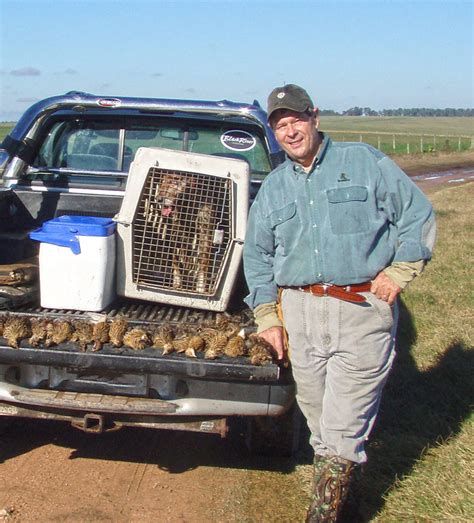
x=348, y=209
x=284, y=224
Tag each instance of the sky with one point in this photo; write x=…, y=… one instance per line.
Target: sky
x=380, y=54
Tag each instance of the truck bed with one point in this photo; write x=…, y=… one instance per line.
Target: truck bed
x=125, y=359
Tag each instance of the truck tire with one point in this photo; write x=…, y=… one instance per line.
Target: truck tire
x=275, y=435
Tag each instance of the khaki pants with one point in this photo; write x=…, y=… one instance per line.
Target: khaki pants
x=341, y=354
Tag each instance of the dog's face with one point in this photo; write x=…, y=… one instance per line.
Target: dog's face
x=170, y=190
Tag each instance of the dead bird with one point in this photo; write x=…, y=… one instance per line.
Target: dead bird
x=222, y=319
x=15, y=329
x=100, y=334
x=215, y=345
x=163, y=339
x=117, y=331
x=196, y=344
x=39, y=331
x=207, y=333
x=136, y=339
x=225, y=323
x=58, y=331
x=189, y=344
x=83, y=334
x=260, y=353
x=235, y=347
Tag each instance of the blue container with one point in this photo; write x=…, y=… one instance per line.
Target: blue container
x=64, y=231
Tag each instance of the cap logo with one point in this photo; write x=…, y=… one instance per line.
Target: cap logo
x=281, y=95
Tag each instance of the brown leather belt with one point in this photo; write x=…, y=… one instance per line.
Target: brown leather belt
x=342, y=292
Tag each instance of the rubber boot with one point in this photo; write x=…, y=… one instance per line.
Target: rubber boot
x=332, y=476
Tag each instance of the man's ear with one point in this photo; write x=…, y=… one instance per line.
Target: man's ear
x=315, y=115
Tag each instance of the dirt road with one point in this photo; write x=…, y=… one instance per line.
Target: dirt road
x=436, y=180
x=51, y=472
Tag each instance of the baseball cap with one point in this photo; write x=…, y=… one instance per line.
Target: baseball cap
x=290, y=96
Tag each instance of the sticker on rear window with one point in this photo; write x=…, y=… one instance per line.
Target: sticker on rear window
x=238, y=140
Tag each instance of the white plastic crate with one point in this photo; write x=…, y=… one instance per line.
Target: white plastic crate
x=181, y=228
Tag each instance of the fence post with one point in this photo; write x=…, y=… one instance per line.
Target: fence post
x=408, y=147
x=421, y=143
x=360, y=138
x=378, y=141
x=459, y=143
x=393, y=142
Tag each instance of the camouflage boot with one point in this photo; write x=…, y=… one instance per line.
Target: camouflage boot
x=332, y=476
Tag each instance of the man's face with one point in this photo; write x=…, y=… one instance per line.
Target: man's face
x=297, y=134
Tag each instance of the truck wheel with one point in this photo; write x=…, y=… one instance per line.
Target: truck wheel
x=275, y=435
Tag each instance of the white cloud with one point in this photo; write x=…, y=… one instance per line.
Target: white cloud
x=68, y=72
x=26, y=71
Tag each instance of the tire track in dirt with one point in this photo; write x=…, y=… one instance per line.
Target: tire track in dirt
x=52, y=472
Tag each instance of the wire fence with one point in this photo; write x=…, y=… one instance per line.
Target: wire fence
x=406, y=143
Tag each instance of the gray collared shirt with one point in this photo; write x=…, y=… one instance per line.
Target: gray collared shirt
x=350, y=217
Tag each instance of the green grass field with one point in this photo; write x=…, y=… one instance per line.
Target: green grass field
x=400, y=124
x=4, y=130
x=402, y=135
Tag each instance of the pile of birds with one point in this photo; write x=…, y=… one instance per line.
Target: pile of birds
x=213, y=338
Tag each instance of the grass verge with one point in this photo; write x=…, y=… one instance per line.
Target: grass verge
x=420, y=456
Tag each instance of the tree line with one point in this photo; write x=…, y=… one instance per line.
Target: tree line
x=414, y=111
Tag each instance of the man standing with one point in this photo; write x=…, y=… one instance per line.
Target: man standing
x=334, y=235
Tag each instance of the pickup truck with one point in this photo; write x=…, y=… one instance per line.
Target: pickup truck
x=70, y=155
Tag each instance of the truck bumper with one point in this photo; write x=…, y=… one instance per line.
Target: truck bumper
x=125, y=389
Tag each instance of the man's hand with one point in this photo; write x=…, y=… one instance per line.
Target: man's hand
x=274, y=336
x=384, y=288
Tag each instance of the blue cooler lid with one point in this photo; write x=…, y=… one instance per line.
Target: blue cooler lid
x=64, y=230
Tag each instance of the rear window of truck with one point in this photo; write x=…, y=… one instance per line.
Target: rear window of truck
x=89, y=146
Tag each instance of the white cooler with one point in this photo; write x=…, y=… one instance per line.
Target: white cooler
x=77, y=262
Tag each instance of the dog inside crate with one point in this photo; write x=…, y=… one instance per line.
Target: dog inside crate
x=182, y=227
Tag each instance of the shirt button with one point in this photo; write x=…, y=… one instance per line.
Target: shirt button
x=311, y=202
x=316, y=251
x=314, y=226
x=319, y=275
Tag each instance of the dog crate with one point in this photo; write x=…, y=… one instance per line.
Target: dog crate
x=181, y=228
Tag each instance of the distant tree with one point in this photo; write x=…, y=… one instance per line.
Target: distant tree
x=353, y=111
x=427, y=111
x=329, y=112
